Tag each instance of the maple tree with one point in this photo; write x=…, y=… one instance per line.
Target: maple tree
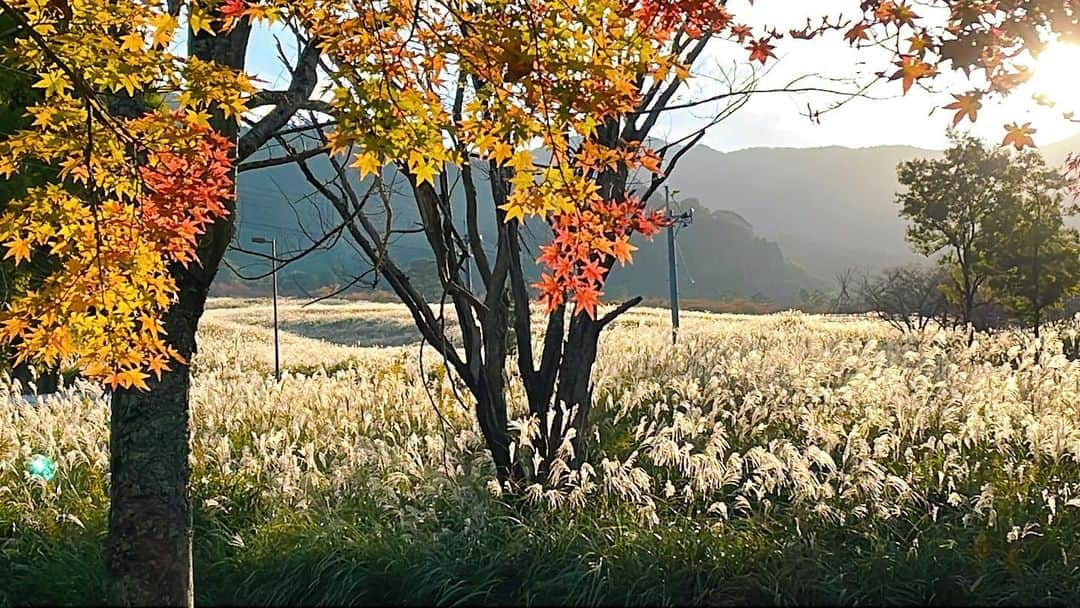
x=15, y=95
x=441, y=89
x=542, y=74
x=550, y=103
x=132, y=195
x=428, y=87
x=104, y=302
x=995, y=44
x=146, y=140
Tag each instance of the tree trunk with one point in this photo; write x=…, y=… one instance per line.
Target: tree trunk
x=148, y=550
x=575, y=381
x=491, y=414
x=491, y=394
x=574, y=387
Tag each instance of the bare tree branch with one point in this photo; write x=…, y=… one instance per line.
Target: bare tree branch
x=304, y=78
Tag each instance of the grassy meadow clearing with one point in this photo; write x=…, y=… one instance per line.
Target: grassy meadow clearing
x=785, y=458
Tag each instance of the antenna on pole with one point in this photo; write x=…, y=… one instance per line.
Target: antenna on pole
x=674, y=222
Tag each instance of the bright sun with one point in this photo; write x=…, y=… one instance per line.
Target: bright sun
x=1055, y=76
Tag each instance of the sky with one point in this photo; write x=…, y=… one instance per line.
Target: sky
x=890, y=118
x=779, y=119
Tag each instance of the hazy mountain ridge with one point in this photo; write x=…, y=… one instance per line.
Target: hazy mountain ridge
x=783, y=220
x=828, y=208
x=720, y=256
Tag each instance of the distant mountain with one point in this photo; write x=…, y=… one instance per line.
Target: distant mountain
x=720, y=256
x=827, y=208
x=771, y=222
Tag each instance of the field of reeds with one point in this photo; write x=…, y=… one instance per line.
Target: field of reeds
x=764, y=459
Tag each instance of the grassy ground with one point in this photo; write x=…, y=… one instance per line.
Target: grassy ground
x=775, y=459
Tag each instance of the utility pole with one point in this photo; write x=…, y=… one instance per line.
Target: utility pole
x=674, y=223
x=273, y=281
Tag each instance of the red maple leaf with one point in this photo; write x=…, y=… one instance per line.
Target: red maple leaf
x=761, y=50
x=587, y=298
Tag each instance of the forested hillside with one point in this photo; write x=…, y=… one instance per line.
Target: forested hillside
x=719, y=255
x=786, y=220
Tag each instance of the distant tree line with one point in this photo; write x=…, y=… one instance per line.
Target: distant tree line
x=992, y=225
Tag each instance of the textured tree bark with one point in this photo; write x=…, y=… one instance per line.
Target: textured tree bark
x=573, y=389
x=148, y=550
x=491, y=414
x=575, y=379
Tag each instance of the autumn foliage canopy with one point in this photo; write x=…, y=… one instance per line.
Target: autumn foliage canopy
x=422, y=85
x=133, y=190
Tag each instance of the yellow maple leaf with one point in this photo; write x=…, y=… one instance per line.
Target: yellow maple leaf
x=199, y=21
x=54, y=82
x=150, y=323
x=198, y=119
x=17, y=248
x=129, y=83
x=416, y=158
x=133, y=377
x=587, y=126
x=513, y=210
x=484, y=142
x=13, y=327
x=133, y=42
x=367, y=163
x=522, y=161
x=158, y=365
x=424, y=172
x=501, y=152
x=43, y=116
x=164, y=26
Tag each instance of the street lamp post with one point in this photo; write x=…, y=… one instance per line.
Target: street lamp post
x=273, y=281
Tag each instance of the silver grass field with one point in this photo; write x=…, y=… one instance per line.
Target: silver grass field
x=782, y=458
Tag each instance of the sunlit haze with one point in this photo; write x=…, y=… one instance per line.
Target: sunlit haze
x=1055, y=76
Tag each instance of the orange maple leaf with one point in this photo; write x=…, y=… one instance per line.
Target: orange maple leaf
x=857, y=33
x=593, y=272
x=911, y=69
x=17, y=248
x=551, y=291
x=158, y=365
x=740, y=32
x=621, y=250
x=1019, y=136
x=587, y=298
x=965, y=105
x=886, y=11
x=232, y=8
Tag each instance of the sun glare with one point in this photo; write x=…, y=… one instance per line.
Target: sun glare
x=1055, y=76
